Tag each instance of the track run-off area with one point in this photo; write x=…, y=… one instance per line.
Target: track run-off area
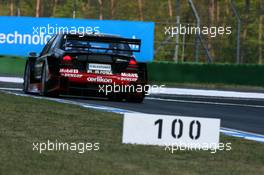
x=241, y=113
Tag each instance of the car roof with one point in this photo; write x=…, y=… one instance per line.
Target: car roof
x=104, y=35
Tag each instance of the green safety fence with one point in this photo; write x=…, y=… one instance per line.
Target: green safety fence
x=252, y=75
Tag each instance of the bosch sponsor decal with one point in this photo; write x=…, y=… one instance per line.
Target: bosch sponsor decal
x=102, y=67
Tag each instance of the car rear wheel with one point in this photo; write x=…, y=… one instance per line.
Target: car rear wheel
x=43, y=89
x=26, y=78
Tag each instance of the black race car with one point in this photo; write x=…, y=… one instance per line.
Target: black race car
x=87, y=65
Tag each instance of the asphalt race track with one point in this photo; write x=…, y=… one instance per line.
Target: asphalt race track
x=241, y=114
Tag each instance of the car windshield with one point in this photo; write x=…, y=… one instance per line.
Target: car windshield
x=97, y=47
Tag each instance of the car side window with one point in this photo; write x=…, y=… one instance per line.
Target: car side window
x=47, y=46
x=54, y=43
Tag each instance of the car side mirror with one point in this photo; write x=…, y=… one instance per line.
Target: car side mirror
x=33, y=54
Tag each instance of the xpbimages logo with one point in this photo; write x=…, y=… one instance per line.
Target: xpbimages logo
x=56, y=146
x=41, y=34
x=53, y=29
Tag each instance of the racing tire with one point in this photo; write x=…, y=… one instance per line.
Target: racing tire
x=27, y=75
x=44, y=89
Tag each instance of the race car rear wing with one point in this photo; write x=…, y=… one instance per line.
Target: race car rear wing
x=135, y=44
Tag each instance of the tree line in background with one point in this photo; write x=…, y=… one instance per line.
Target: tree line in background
x=163, y=12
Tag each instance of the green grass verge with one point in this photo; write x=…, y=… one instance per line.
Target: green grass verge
x=24, y=120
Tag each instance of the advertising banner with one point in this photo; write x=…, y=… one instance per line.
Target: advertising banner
x=21, y=35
